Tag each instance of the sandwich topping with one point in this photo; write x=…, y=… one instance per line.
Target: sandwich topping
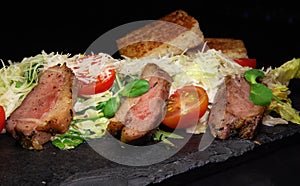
x=113, y=110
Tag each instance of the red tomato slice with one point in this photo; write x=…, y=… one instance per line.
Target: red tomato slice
x=2, y=118
x=185, y=107
x=104, y=82
x=95, y=73
x=249, y=62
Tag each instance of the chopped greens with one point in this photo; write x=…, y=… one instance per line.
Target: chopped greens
x=163, y=136
x=71, y=139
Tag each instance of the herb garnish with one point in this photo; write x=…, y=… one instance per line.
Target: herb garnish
x=132, y=89
x=163, y=136
x=259, y=93
x=135, y=88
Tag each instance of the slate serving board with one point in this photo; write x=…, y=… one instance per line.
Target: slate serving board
x=84, y=166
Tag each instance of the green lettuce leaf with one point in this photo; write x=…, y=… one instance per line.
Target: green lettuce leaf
x=277, y=80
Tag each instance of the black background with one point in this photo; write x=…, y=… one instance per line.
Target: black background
x=269, y=30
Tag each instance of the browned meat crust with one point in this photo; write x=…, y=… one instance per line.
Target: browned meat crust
x=232, y=112
x=115, y=128
x=47, y=109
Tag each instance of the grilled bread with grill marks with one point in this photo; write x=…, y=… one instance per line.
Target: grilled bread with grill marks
x=171, y=34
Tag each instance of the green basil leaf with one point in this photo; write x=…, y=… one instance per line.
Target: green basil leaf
x=260, y=94
x=111, y=107
x=135, y=88
x=252, y=74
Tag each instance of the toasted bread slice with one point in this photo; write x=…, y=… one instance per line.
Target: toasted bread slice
x=171, y=34
x=233, y=48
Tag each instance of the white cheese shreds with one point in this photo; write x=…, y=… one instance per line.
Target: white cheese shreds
x=272, y=121
x=206, y=69
x=87, y=69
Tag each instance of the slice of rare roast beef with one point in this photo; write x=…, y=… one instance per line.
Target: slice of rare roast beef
x=46, y=110
x=232, y=112
x=138, y=116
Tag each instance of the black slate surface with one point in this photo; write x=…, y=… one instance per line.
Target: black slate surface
x=84, y=166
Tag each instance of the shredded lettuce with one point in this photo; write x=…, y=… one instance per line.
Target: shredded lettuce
x=283, y=74
x=210, y=69
x=88, y=122
x=17, y=80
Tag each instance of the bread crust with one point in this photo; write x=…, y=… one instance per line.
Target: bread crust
x=233, y=48
x=171, y=34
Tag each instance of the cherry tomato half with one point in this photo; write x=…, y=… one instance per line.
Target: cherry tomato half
x=249, y=62
x=104, y=82
x=2, y=118
x=185, y=107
